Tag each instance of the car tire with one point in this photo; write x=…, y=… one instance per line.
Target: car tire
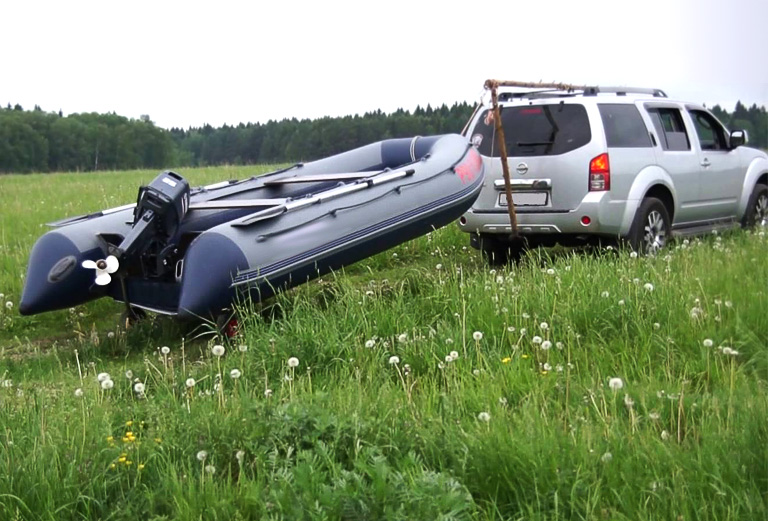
x=651, y=229
x=499, y=252
x=756, y=214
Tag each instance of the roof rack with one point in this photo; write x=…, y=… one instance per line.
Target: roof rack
x=560, y=90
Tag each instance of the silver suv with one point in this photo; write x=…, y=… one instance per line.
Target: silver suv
x=610, y=163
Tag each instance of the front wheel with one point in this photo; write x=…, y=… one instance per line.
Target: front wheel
x=651, y=228
x=756, y=215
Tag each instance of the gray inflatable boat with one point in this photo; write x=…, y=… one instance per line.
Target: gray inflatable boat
x=193, y=252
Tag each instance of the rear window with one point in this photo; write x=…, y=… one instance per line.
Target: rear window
x=535, y=130
x=624, y=127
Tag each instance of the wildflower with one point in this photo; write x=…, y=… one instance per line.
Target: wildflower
x=218, y=350
x=140, y=466
x=201, y=455
x=9, y=305
x=235, y=374
x=708, y=342
x=242, y=348
x=293, y=362
x=139, y=388
x=267, y=393
x=621, y=302
x=654, y=416
x=628, y=401
x=190, y=383
x=633, y=255
x=476, y=372
x=545, y=345
x=559, y=368
x=550, y=271
x=110, y=334
x=406, y=369
x=394, y=360
x=664, y=435
x=102, y=376
x=536, y=339
x=503, y=401
x=439, y=267
x=239, y=455
x=729, y=351
x=454, y=355
x=210, y=469
x=511, y=329
x=544, y=326
x=477, y=335
x=656, y=326
x=605, y=294
x=448, y=358
x=165, y=350
x=484, y=417
x=648, y=286
x=559, y=345
x=369, y=344
x=107, y=384
x=402, y=338
x=546, y=367
x=605, y=458
x=440, y=366
x=615, y=384
x=506, y=360
x=728, y=304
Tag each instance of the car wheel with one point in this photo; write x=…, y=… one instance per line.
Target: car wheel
x=756, y=215
x=650, y=231
x=499, y=252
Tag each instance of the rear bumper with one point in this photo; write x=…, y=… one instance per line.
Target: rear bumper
x=605, y=217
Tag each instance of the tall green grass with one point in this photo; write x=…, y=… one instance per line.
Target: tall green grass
x=380, y=421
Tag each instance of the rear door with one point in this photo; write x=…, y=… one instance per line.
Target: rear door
x=721, y=176
x=548, y=155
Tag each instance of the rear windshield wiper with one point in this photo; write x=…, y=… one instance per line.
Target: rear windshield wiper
x=534, y=143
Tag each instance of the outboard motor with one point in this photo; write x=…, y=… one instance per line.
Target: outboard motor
x=160, y=208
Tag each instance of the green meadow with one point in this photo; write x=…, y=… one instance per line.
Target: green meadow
x=419, y=384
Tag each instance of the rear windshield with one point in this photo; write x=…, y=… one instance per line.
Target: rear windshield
x=538, y=130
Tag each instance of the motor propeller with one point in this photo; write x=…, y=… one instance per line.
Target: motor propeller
x=104, y=268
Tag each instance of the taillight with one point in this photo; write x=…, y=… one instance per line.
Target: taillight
x=599, y=174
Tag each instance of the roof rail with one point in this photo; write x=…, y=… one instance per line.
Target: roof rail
x=559, y=90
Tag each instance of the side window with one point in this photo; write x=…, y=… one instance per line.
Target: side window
x=624, y=127
x=670, y=128
x=710, y=132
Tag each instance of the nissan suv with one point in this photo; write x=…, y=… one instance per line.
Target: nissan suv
x=601, y=164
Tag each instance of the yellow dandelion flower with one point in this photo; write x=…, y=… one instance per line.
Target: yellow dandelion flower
x=506, y=360
x=121, y=459
x=526, y=356
x=113, y=466
x=126, y=439
x=110, y=439
x=129, y=423
x=544, y=373
x=128, y=463
x=140, y=466
x=158, y=440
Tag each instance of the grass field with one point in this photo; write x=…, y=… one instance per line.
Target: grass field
x=419, y=384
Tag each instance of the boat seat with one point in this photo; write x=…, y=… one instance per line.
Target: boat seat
x=236, y=203
x=318, y=178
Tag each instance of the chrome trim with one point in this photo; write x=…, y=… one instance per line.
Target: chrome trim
x=524, y=184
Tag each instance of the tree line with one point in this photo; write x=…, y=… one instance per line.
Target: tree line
x=39, y=141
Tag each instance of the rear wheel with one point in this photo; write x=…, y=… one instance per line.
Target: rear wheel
x=499, y=252
x=756, y=215
x=651, y=228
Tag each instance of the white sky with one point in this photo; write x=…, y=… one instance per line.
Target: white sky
x=188, y=63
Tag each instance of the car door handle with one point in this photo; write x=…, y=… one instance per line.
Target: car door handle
x=705, y=163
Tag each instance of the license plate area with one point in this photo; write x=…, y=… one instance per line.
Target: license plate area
x=525, y=198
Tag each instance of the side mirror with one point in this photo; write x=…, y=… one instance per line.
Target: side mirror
x=739, y=138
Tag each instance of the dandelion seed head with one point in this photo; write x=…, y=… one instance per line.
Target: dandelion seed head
x=102, y=376
x=654, y=416
x=664, y=435
x=78, y=393
x=544, y=326
x=511, y=329
x=708, y=342
x=633, y=255
x=559, y=345
x=615, y=383
x=139, y=388
x=202, y=455
x=107, y=384
x=648, y=286
x=605, y=458
x=477, y=336
x=218, y=350
x=484, y=417
x=210, y=469
x=235, y=374
x=243, y=348
x=190, y=382
x=656, y=326
x=111, y=334
x=394, y=360
x=546, y=345
x=165, y=350
x=129, y=374
x=267, y=393
x=369, y=344
x=9, y=305
x=605, y=294
x=537, y=340
x=239, y=455
x=402, y=338
x=293, y=362
x=546, y=367
x=454, y=355
x=550, y=271
x=628, y=401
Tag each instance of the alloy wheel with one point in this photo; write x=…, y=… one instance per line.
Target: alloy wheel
x=655, y=233
x=761, y=211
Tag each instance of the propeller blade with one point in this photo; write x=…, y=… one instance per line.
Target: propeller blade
x=112, y=264
x=103, y=279
x=91, y=265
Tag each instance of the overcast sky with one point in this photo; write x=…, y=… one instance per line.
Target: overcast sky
x=187, y=63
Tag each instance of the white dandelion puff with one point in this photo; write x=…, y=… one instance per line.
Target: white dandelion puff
x=664, y=435
x=201, y=455
x=78, y=393
x=129, y=374
x=454, y=355
x=708, y=342
x=242, y=348
x=239, y=455
x=107, y=384
x=544, y=326
x=402, y=338
x=537, y=339
x=605, y=458
x=369, y=344
x=102, y=376
x=656, y=326
x=293, y=362
x=648, y=287
x=139, y=388
x=394, y=360
x=484, y=417
x=546, y=345
x=605, y=294
x=218, y=350
x=477, y=335
x=9, y=305
x=190, y=383
x=267, y=393
x=628, y=401
x=235, y=374
x=615, y=384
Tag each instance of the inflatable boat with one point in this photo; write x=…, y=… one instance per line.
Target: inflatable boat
x=192, y=252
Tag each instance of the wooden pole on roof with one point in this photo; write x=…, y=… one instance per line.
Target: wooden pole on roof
x=493, y=85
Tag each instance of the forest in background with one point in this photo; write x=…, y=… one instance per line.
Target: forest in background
x=40, y=141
